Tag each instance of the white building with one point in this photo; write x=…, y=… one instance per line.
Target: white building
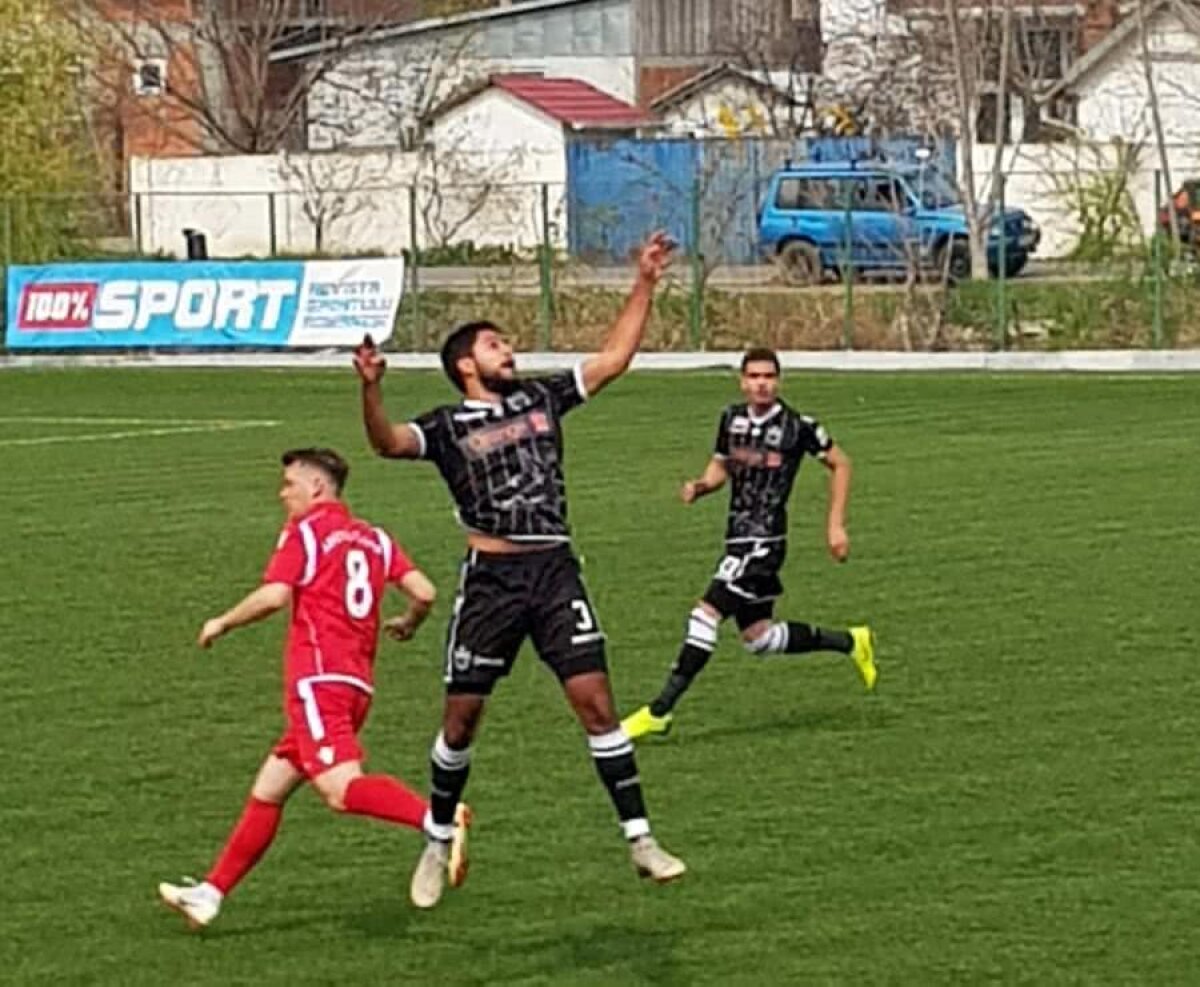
x=732, y=101
x=381, y=94
x=1108, y=84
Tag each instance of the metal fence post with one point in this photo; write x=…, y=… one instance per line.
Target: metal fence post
x=137, y=223
x=546, y=297
x=847, y=270
x=272, y=225
x=1156, y=331
x=8, y=231
x=414, y=271
x=1001, y=273
x=696, y=296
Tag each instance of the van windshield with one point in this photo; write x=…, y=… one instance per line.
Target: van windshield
x=935, y=190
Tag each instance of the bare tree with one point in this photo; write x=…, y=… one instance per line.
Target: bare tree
x=206, y=68
x=1160, y=140
x=456, y=186
x=393, y=96
x=782, y=54
x=332, y=187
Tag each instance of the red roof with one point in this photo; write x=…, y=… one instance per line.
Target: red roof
x=573, y=102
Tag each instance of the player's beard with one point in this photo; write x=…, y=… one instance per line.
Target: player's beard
x=500, y=385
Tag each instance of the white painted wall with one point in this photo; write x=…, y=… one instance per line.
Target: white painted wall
x=1113, y=100
x=483, y=196
x=1041, y=178
x=496, y=121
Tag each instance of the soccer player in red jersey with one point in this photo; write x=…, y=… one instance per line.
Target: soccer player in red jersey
x=333, y=569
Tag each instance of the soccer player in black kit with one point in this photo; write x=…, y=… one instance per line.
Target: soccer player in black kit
x=500, y=451
x=760, y=445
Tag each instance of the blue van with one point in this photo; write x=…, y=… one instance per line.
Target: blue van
x=880, y=218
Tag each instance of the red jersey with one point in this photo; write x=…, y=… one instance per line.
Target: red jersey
x=338, y=567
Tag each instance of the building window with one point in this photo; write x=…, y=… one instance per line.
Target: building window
x=1047, y=123
x=150, y=77
x=1044, y=52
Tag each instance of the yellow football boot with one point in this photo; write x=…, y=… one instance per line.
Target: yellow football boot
x=863, y=655
x=643, y=723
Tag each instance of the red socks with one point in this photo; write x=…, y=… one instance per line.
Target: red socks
x=247, y=843
x=378, y=796
x=383, y=797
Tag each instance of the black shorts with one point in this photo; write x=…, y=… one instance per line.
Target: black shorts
x=502, y=599
x=746, y=583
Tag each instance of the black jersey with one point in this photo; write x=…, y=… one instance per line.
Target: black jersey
x=503, y=462
x=762, y=456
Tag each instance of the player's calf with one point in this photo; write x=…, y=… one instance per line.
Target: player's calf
x=700, y=640
x=794, y=638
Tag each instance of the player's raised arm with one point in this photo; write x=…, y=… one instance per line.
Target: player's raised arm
x=713, y=479
x=258, y=605
x=838, y=464
x=625, y=336
x=392, y=441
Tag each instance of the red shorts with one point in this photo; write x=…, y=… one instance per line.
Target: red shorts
x=324, y=719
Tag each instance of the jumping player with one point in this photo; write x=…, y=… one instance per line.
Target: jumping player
x=760, y=445
x=333, y=569
x=500, y=451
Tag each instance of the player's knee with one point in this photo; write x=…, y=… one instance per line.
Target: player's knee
x=459, y=730
x=336, y=800
x=460, y=722
x=770, y=641
x=597, y=716
x=333, y=794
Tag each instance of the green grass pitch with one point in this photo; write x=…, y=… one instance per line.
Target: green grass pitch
x=1017, y=803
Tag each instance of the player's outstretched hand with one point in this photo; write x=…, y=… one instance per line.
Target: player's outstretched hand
x=839, y=543
x=400, y=628
x=655, y=256
x=687, y=493
x=369, y=362
x=211, y=630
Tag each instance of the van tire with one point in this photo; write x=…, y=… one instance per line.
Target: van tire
x=953, y=260
x=800, y=263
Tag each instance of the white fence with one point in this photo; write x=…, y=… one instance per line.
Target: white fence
x=357, y=201
x=362, y=201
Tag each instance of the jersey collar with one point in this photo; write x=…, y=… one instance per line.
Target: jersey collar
x=774, y=410
x=326, y=507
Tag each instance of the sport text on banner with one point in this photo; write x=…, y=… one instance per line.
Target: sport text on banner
x=217, y=304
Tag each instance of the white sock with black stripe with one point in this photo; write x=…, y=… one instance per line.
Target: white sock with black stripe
x=700, y=639
x=617, y=767
x=449, y=769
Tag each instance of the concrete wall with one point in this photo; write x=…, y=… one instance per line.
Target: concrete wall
x=488, y=198
x=1045, y=180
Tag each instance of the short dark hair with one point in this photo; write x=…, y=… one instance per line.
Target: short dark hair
x=327, y=461
x=459, y=344
x=760, y=354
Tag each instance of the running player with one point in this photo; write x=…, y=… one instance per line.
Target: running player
x=333, y=569
x=500, y=451
x=760, y=445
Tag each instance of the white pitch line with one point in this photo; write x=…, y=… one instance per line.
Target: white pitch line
x=44, y=440
x=85, y=420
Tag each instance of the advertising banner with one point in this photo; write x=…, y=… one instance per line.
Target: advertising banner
x=202, y=304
